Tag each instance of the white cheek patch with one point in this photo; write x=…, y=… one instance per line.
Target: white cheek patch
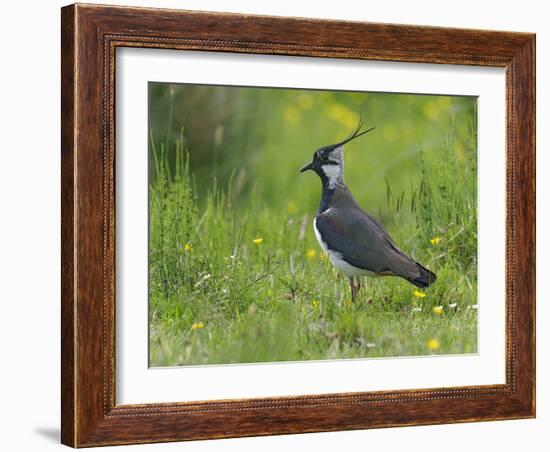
x=333, y=173
x=338, y=152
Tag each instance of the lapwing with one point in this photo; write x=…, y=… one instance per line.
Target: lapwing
x=355, y=242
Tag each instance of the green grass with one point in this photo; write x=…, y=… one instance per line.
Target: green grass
x=235, y=279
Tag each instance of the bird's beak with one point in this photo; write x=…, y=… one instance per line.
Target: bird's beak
x=307, y=167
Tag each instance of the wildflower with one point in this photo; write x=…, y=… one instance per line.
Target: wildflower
x=316, y=304
x=342, y=114
x=257, y=241
x=197, y=326
x=438, y=310
x=322, y=257
x=311, y=253
x=435, y=240
x=417, y=309
x=453, y=305
x=419, y=294
x=187, y=247
x=433, y=344
x=202, y=281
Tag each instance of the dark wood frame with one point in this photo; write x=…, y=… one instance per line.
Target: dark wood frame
x=90, y=35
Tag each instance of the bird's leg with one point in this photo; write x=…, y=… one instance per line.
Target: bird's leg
x=358, y=286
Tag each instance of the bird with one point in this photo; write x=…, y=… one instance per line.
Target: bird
x=355, y=241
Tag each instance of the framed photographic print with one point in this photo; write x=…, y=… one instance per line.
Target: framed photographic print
x=282, y=225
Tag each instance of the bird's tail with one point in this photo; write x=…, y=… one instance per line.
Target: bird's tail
x=425, y=279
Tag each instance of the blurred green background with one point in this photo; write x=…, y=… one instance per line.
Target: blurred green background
x=236, y=274
x=262, y=136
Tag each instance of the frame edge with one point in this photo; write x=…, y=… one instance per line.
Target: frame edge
x=68, y=297
x=524, y=67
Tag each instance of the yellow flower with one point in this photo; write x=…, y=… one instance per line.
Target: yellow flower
x=316, y=304
x=435, y=240
x=311, y=253
x=197, y=326
x=419, y=294
x=432, y=344
x=438, y=310
x=187, y=247
x=342, y=114
x=257, y=241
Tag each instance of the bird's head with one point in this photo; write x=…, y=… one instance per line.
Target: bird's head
x=328, y=161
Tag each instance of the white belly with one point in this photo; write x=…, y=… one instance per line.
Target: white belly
x=336, y=258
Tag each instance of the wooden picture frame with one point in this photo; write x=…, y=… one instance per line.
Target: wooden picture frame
x=90, y=35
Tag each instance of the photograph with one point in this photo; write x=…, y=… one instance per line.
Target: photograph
x=297, y=224
x=284, y=223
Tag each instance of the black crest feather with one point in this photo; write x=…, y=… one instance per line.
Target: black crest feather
x=355, y=134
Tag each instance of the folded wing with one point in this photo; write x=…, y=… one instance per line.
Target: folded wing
x=363, y=243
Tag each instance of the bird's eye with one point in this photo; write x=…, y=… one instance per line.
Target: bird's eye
x=324, y=157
